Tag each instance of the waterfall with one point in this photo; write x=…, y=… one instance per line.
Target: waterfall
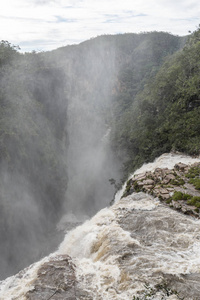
x=128, y=249
x=90, y=158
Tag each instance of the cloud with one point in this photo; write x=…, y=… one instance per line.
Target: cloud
x=42, y=2
x=21, y=19
x=78, y=20
x=123, y=17
x=60, y=19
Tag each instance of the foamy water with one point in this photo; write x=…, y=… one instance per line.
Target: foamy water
x=168, y=160
x=135, y=241
x=113, y=263
x=16, y=287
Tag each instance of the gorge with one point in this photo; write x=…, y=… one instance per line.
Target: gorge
x=75, y=122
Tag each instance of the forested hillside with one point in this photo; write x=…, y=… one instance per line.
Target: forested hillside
x=71, y=118
x=32, y=167
x=164, y=116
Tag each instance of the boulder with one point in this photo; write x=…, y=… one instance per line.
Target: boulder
x=168, y=177
x=180, y=167
x=148, y=182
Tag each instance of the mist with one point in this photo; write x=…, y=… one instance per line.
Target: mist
x=33, y=176
x=56, y=158
x=58, y=116
x=90, y=159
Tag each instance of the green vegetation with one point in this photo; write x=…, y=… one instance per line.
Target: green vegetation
x=193, y=175
x=31, y=122
x=128, y=187
x=180, y=196
x=136, y=187
x=195, y=182
x=194, y=201
x=164, y=114
x=33, y=175
x=178, y=181
x=193, y=172
x=168, y=201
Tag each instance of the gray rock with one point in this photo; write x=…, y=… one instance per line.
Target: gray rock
x=56, y=279
x=180, y=166
x=148, y=182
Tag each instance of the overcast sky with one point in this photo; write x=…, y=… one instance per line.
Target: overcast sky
x=48, y=24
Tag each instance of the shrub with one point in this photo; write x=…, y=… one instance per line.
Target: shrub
x=195, y=182
x=168, y=201
x=181, y=196
x=177, y=196
x=178, y=181
x=194, y=201
x=193, y=172
x=136, y=187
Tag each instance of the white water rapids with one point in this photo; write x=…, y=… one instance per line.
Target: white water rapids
x=136, y=241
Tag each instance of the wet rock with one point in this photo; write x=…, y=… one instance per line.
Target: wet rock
x=180, y=167
x=188, y=285
x=187, y=209
x=55, y=280
x=176, y=204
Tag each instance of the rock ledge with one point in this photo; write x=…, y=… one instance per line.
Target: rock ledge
x=178, y=188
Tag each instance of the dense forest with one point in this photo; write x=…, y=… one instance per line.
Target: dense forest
x=164, y=115
x=78, y=118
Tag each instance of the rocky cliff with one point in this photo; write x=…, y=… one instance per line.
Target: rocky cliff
x=178, y=187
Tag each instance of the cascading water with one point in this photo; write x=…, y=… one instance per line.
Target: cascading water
x=138, y=247
x=90, y=158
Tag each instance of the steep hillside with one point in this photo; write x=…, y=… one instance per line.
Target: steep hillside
x=32, y=167
x=104, y=75
x=165, y=115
